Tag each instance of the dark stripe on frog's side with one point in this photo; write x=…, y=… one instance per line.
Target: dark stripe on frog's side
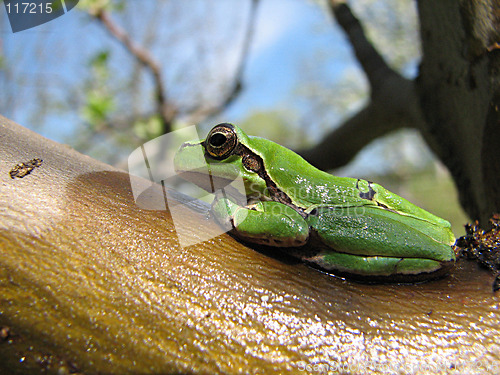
x=253, y=162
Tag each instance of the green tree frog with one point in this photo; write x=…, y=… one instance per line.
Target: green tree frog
x=347, y=226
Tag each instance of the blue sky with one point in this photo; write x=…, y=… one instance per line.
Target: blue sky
x=286, y=31
x=284, y=34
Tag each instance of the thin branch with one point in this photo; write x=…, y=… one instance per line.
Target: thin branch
x=373, y=64
x=237, y=85
x=165, y=110
x=247, y=43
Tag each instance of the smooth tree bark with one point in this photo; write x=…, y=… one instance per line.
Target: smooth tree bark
x=93, y=282
x=454, y=102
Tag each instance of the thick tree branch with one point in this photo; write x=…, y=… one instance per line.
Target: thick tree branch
x=92, y=282
x=399, y=108
x=394, y=103
x=375, y=67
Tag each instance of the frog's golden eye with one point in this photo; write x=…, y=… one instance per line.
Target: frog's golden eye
x=221, y=141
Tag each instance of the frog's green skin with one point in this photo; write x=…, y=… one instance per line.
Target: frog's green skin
x=343, y=225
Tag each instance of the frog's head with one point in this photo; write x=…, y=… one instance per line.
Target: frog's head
x=222, y=157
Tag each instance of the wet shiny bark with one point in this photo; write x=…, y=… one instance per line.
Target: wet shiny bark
x=91, y=280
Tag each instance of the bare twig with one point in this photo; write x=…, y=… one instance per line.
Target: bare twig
x=373, y=64
x=247, y=43
x=166, y=111
x=201, y=112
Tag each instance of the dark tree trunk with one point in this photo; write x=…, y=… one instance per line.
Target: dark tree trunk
x=459, y=90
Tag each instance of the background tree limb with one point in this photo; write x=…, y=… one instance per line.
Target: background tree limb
x=393, y=105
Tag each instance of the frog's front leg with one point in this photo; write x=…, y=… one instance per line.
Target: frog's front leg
x=269, y=223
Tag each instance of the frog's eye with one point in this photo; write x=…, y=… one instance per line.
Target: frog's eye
x=221, y=141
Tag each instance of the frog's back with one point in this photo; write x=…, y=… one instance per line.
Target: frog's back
x=308, y=186
x=303, y=183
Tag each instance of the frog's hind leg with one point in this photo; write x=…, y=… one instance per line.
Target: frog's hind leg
x=376, y=268
x=371, y=242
